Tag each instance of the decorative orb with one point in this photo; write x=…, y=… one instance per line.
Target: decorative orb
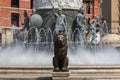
x=36, y=20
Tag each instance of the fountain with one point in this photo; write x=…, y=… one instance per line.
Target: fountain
x=90, y=58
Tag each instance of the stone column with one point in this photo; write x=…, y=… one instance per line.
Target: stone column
x=60, y=75
x=115, y=15
x=111, y=11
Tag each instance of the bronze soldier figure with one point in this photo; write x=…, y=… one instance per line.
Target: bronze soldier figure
x=26, y=21
x=61, y=21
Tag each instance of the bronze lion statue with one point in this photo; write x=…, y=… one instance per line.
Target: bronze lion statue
x=60, y=59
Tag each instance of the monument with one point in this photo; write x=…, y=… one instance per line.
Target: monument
x=41, y=37
x=60, y=59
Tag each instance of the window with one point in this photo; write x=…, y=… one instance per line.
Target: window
x=31, y=4
x=15, y=3
x=88, y=8
x=87, y=3
x=15, y=19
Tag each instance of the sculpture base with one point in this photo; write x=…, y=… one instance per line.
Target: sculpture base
x=60, y=75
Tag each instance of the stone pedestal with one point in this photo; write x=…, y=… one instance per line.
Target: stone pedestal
x=60, y=75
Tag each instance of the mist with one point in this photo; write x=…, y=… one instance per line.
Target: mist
x=18, y=55
x=106, y=56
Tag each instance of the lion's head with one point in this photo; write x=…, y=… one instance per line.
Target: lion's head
x=61, y=39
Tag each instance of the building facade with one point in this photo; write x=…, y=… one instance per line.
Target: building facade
x=11, y=14
x=11, y=11
x=111, y=12
x=92, y=8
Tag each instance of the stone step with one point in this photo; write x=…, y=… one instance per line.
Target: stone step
x=25, y=71
x=110, y=77
x=49, y=71
x=76, y=72
x=22, y=76
x=96, y=72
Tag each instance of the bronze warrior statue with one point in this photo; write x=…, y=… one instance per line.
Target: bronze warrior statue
x=61, y=21
x=26, y=20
